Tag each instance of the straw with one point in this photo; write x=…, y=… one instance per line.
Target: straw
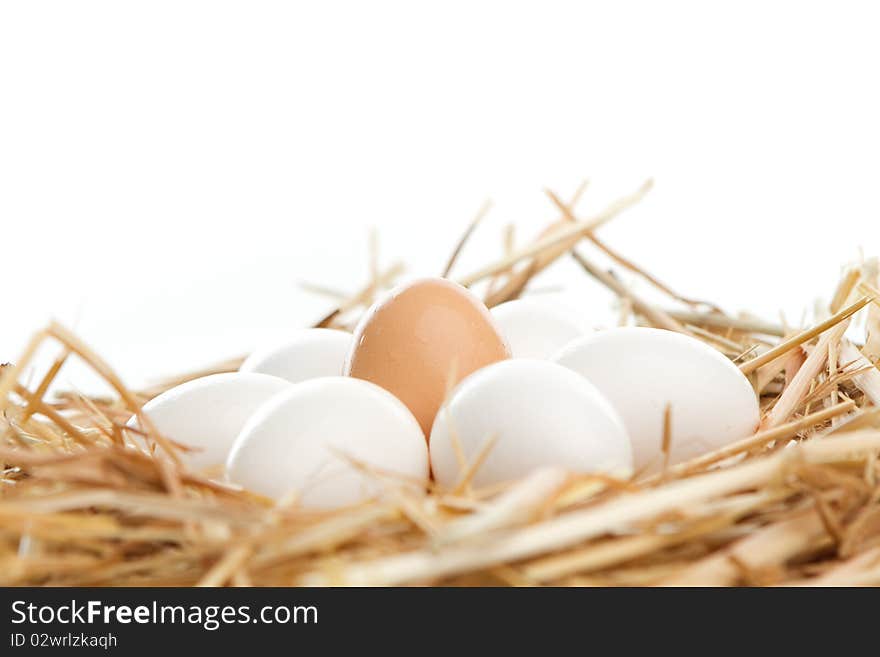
x=796, y=503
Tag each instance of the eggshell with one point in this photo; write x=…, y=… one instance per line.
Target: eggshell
x=299, y=441
x=208, y=413
x=641, y=370
x=422, y=339
x=538, y=413
x=308, y=354
x=535, y=328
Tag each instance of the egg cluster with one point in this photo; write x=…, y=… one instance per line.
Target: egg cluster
x=433, y=382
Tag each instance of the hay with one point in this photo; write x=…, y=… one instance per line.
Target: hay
x=798, y=503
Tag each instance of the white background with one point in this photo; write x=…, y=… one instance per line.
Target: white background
x=170, y=170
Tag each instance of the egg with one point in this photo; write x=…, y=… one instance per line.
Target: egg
x=535, y=328
x=207, y=414
x=538, y=414
x=422, y=339
x=304, y=440
x=642, y=370
x=307, y=354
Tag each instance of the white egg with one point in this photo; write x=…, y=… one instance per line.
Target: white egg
x=207, y=414
x=304, y=440
x=538, y=414
x=535, y=328
x=308, y=354
x=642, y=370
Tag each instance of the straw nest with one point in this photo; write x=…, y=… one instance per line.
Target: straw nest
x=796, y=503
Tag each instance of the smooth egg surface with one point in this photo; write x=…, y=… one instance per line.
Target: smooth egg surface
x=421, y=340
x=535, y=328
x=535, y=413
x=207, y=414
x=306, y=441
x=642, y=370
x=308, y=354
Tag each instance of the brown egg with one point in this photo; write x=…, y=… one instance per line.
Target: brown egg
x=421, y=340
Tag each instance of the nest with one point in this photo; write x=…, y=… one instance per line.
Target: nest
x=797, y=503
